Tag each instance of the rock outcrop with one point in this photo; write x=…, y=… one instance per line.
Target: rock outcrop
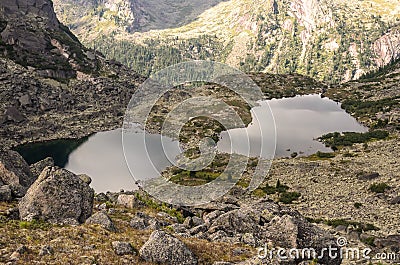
x=57, y=196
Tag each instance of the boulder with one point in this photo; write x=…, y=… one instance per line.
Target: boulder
x=14, y=115
x=140, y=221
x=38, y=167
x=234, y=222
x=166, y=249
x=294, y=232
x=128, y=201
x=15, y=172
x=57, y=196
x=102, y=219
x=123, y=248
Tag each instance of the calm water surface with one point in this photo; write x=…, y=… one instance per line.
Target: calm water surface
x=298, y=121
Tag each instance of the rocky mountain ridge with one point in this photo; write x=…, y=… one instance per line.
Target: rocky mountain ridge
x=328, y=40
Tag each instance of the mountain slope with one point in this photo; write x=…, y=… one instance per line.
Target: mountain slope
x=51, y=85
x=328, y=40
x=31, y=35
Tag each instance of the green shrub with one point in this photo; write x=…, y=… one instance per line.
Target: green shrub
x=278, y=188
x=336, y=139
x=289, y=197
x=369, y=241
x=378, y=187
x=34, y=224
x=357, y=205
x=325, y=155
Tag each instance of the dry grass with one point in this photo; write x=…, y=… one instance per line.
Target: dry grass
x=91, y=244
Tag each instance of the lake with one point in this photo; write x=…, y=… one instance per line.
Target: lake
x=299, y=121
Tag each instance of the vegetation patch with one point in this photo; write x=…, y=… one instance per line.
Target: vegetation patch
x=289, y=197
x=161, y=207
x=336, y=139
x=285, y=196
x=379, y=187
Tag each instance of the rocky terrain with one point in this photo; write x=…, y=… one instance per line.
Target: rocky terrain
x=52, y=87
x=330, y=40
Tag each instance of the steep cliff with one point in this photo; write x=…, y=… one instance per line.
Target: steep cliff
x=329, y=40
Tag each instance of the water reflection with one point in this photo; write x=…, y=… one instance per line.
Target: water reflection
x=299, y=121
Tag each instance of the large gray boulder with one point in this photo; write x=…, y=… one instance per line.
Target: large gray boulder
x=166, y=249
x=57, y=196
x=15, y=172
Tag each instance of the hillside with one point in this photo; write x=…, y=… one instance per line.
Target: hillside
x=50, y=81
x=328, y=40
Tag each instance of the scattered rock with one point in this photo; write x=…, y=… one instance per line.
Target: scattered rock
x=18, y=252
x=25, y=100
x=370, y=176
x=85, y=178
x=192, y=222
x=12, y=213
x=46, y=250
x=140, y=221
x=395, y=200
x=123, y=248
x=392, y=241
x=128, y=201
x=57, y=196
x=164, y=248
x=101, y=197
x=38, y=167
x=102, y=219
x=5, y=193
x=14, y=115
